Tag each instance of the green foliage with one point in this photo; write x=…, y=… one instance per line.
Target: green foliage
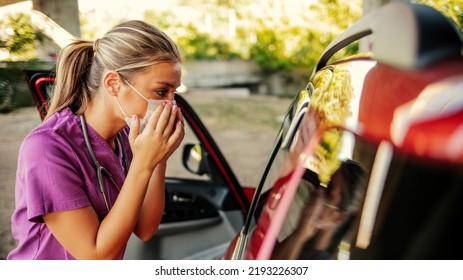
x=195, y=44
x=18, y=36
x=87, y=33
x=337, y=14
x=269, y=49
x=198, y=45
x=164, y=20
x=274, y=41
x=281, y=44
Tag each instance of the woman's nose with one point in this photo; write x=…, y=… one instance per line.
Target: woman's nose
x=170, y=96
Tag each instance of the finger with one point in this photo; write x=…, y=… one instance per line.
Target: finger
x=134, y=128
x=154, y=118
x=180, y=116
x=164, y=117
x=171, y=123
x=177, y=135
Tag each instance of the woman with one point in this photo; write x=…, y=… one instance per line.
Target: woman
x=85, y=181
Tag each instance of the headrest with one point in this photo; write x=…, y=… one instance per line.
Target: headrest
x=387, y=88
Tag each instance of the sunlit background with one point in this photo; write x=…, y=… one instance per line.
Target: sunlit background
x=283, y=36
x=277, y=34
x=264, y=49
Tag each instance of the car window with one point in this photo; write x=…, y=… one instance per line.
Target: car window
x=379, y=203
x=331, y=98
x=326, y=199
x=285, y=142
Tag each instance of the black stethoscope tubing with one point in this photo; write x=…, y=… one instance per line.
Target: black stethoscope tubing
x=98, y=167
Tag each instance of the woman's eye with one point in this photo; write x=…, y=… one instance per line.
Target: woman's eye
x=162, y=92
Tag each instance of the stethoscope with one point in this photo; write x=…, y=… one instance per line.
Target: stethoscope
x=101, y=170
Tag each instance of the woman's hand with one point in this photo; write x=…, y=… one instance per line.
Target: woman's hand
x=159, y=139
x=170, y=133
x=180, y=125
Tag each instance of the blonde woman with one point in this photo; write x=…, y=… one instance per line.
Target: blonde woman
x=93, y=172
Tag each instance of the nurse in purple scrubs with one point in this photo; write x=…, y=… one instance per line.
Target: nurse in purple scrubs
x=93, y=172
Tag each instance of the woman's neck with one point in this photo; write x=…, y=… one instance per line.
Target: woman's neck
x=100, y=116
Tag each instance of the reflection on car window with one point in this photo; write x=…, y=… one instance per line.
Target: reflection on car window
x=322, y=214
x=286, y=149
x=417, y=204
x=333, y=100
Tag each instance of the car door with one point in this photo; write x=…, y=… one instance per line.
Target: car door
x=205, y=204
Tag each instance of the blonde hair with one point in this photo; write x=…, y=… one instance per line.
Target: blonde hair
x=129, y=48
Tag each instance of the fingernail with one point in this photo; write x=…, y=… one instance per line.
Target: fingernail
x=180, y=123
x=164, y=102
x=174, y=108
x=134, y=117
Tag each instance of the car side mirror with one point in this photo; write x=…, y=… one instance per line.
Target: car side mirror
x=194, y=159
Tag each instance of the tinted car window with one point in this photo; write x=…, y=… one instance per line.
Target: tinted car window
x=322, y=213
x=380, y=203
x=331, y=98
x=284, y=144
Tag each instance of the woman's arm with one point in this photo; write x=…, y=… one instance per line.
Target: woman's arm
x=80, y=231
x=153, y=205
x=84, y=237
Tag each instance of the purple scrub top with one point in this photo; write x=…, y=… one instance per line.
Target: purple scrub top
x=56, y=173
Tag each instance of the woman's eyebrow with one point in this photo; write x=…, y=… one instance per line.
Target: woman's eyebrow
x=167, y=84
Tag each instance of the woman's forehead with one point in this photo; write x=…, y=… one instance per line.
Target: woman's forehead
x=165, y=73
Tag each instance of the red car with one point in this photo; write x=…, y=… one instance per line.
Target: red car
x=369, y=161
x=367, y=164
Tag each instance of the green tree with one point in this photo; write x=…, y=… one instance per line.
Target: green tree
x=201, y=46
x=269, y=50
x=195, y=44
x=18, y=36
x=281, y=44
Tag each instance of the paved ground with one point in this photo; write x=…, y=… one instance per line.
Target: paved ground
x=244, y=128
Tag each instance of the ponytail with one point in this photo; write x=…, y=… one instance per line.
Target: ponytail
x=72, y=69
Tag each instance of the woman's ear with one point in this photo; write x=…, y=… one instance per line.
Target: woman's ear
x=112, y=82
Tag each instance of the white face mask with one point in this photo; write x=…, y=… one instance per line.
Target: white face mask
x=152, y=104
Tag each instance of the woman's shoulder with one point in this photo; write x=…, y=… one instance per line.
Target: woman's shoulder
x=59, y=129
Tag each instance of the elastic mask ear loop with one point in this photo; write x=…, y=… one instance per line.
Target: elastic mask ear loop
x=120, y=107
x=139, y=93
